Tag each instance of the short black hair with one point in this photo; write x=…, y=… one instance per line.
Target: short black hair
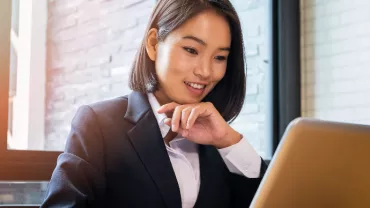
x=229, y=94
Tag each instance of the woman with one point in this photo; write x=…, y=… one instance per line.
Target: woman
x=168, y=143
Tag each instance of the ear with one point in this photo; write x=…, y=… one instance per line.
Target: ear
x=151, y=44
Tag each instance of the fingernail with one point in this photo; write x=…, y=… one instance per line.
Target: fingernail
x=173, y=127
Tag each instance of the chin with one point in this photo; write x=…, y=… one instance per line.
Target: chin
x=187, y=100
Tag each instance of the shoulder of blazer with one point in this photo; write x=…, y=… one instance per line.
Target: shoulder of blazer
x=111, y=109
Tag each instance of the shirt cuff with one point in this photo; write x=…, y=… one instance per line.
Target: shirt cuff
x=242, y=159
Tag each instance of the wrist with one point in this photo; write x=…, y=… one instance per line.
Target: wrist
x=232, y=137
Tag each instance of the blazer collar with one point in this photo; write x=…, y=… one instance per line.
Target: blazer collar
x=138, y=105
x=149, y=145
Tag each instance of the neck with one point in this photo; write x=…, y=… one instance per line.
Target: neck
x=161, y=97
x=162, y=100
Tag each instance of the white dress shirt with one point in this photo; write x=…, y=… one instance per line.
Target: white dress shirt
x=240, y=159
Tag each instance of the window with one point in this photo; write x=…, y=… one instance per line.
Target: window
x=27, y=75
x=252, y=122
x=59, y=55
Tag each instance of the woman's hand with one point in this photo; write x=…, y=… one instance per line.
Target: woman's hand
x=200, y=123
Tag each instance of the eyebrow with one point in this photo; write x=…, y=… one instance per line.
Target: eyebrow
x=200, y=41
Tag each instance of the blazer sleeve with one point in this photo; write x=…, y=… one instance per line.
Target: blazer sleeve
x=243, y=189
x=78, y=179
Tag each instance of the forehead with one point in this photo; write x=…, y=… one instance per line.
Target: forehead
x=209, y=26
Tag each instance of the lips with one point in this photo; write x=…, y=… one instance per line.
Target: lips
x=196, y=85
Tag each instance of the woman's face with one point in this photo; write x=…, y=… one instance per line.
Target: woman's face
x=192, y=59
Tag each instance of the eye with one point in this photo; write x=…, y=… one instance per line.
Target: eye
x=190, y=50
x=220, y=58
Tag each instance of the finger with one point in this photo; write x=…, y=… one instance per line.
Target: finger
x=167, y=121
x=167, y=107
x=206, y=109
x=176, y=116
x=194, y=114
x=184, y=116
x=183, y=132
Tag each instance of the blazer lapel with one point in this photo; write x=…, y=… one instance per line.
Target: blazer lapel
x=148, y=143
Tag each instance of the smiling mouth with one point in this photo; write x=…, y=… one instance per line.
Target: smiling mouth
x=196, y=86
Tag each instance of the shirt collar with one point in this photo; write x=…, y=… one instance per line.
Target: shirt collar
x=159, y=117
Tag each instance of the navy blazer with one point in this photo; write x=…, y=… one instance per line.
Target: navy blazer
x=115, y=157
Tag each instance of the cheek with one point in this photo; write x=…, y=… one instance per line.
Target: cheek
x=181, y=62
x=172, y=65
x=176, y=62
x=219, y=71
x=162, y=60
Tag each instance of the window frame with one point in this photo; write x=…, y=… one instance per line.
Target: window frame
x=29, y=45
x=286, y=67
x=16, y=165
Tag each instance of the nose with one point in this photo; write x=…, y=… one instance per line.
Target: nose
x=204, y=70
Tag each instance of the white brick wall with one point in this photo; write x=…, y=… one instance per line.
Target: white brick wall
x=91, y=45
x=335, y=48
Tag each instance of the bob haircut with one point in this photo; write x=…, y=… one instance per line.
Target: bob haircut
x=228, y=95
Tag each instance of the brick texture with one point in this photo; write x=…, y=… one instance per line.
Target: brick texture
x=335, y=60
x=91, y=47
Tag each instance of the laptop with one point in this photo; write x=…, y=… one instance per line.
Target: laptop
x=318, y=164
